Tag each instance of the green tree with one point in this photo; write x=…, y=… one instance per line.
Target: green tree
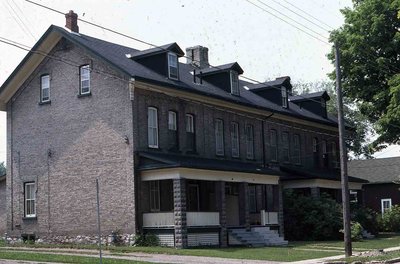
x=2, y=169
x=369, y=44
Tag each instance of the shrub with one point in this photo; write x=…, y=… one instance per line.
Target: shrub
x=366, y=217
x=356, y=231
x=146, y=240
x=310, y=218
x=390, y=220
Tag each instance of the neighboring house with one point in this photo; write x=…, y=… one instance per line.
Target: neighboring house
x=383, y=189
x=185, y=151
x=3, y=214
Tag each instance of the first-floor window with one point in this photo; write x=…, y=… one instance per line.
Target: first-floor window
x=252, y=199
x=30, y=199
x=154, y=196
x=386, y=204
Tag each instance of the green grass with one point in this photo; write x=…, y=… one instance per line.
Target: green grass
x=387, y=256
x=59, y=258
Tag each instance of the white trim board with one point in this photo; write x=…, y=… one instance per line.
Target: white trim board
x=320, y=183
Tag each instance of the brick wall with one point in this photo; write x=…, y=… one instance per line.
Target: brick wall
x=3, y=215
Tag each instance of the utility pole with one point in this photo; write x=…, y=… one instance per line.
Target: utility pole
x=343, y=157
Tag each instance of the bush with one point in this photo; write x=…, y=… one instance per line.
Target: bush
x=146, y=240
x=356, y=231
x=390, y=220
x=366, y=217
x=310, y=218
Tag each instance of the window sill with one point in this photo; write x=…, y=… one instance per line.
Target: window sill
x=84, y=95
x=29, y=218
x=44, y=103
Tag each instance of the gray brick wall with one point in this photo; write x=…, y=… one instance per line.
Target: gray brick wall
x=3, y=215
x=86, y=139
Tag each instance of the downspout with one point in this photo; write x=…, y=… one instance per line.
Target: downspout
x=263, y=140
x=12, y=171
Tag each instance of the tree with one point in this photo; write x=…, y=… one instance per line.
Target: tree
x=369, y=44
x=356, y=141
x=2, y=169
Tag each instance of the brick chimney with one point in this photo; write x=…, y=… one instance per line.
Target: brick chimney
x=198, y=56
x=71, y=21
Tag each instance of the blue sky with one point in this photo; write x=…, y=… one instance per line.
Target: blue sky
x=263, y=45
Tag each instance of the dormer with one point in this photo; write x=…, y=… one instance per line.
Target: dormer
x=276, y=91
x=313, y=102
x=225, y=77
x=163, y=59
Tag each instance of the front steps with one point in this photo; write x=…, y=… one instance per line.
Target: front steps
x=255, y=237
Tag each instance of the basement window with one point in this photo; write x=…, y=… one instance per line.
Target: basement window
x=173, y=66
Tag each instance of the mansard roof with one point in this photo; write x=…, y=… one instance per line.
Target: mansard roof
x=116, y=56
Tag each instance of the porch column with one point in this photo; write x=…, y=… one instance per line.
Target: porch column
x=315, y=192
x=221, y=206
x=180, y=213
x=244, y=210
x=280, y=213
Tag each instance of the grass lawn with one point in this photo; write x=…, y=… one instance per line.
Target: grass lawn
x=387, y=256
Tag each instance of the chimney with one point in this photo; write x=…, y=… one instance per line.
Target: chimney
x=71, y=21
x=197, y=56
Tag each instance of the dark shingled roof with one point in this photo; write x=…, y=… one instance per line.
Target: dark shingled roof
x=163, y=160
x=226, y=67
x=305, y=97
x=161, y=49
x=295, y=173
x=384, y=170
x=269, y=84
x=115, y=55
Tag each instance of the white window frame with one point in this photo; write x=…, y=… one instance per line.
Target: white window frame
x=249, y=141
x=383, y=209
x=234, y=83
x=172, y=120
x=84, y=75
x=284, y=97
x=152, y=127
x=173, y=64
x=296, y=149
x=30, y=202
x=154, y=196
x=274, y=144
x=44, y=85
x=189, y=123
x=285, y=147
x=219, y=137
x=235, y=140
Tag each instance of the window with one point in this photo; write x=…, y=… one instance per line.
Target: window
x=284, y=97
x=234, y=83
x=296, y=149
x=172, y=120
x=152, y=127
x=315, y=145
x=285, y=146
x=45, y=88
x=325, y=153
x=190, y=133
x=386, y=204
x=335, y=156
x=219, y=137
x=155, y=196
x=235, y=139
x=249, y=142
x=193, y=198
x=252, y=199
x=324, y=149
x=172, y=66
x=273, y=144
x=85, y=79
x=30, y=199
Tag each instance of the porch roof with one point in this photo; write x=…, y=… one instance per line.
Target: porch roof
x=152, y=161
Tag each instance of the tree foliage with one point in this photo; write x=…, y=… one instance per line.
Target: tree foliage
x=2, y=169
x=369, y=44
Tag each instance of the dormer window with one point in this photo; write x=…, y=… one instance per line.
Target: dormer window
x=173, y=66
x=284, y=97
x=234, y=83
x=323, y=103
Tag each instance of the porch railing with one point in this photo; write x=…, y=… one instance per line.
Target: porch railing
x=269, y=218
x=164, y=219
x=202, y=218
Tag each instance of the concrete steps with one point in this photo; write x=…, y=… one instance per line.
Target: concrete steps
x=255, y=237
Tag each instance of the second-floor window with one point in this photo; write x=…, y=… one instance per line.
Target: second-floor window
x=234, y=83
x=315, y=148
x=235, y=139
x=285, y=146
x=296, y=149
x=324, y=147
x=249, y=142
x=30, y=199
x=219, y=137
x=273, y=145
x=152, y=127
x=84, y=79
x=190, y=133
x=335, y=156
x=45, y=88
x=173, y=66
x=172, y=130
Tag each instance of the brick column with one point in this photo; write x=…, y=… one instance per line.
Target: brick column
x=180, y=213
x=221, y=207
x=280, y=213
x=244, y=210
x=315, y=192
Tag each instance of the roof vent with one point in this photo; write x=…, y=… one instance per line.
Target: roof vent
x=71, y=21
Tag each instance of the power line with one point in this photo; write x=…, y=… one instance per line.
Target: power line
x=23, y=26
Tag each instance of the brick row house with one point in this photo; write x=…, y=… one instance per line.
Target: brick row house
x=185, y=151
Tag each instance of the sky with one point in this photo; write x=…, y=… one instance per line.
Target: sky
x=263, y=45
